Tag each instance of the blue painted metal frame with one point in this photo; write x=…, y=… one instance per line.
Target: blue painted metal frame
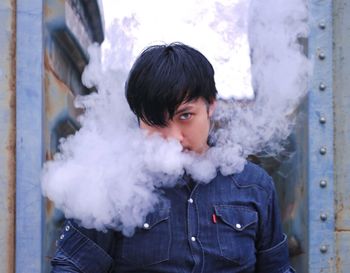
x=320, y=141
x=29, y=139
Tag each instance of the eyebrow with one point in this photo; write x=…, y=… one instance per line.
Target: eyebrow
x=184, y=109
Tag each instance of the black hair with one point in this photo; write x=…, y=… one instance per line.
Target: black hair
x=163, y=77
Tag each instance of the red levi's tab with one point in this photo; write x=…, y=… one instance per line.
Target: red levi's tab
x=214, y=218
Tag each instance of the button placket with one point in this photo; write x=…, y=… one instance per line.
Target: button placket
x=191, y=215
x=192, y=223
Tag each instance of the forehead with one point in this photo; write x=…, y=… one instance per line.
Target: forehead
x=190, y=105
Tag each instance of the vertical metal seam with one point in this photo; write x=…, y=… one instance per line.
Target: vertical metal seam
x=12, y=137
x=320, y=169
x=29, y=135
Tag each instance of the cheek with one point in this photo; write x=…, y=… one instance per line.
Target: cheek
x=198, y=133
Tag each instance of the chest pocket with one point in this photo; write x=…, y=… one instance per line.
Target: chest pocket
x=150, y=244
x=236, y=233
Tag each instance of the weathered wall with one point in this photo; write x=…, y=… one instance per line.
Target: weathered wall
x=69, y=28
x=7, y=134
x=341, y=76
x=43, y=51
x=43, y=47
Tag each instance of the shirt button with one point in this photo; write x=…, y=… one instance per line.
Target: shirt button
x=238, y=226
x=62, y=236
x=146, y=226
x=190, y=200
x=67, y=228
x=193, y=239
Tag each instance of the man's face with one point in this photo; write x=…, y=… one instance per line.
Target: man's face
x=190, y=125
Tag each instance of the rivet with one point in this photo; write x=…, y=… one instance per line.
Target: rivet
x=321, y=55
x=322, y=86
x=323, y=216
x=323, y=150
x=146, y=225
x=322, y=25
x=239, y=226
x=323, y=183
x=322, y=119
x=323, y=248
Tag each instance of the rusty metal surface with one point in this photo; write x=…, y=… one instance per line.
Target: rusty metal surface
x=57, y=111
x=96, y=22
x=342, y=251
x=342, y=111
x=61, y=81
x=7, y=135
x=68, y=24
x=341, y=74
x=68, y=30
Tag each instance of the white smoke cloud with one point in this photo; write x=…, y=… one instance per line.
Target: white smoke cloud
x=107, y=174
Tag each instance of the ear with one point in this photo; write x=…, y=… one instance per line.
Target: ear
x=212, y=107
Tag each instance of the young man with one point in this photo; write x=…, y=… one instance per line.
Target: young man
x=231, y=224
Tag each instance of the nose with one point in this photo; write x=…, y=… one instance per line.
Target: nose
x=173, y=131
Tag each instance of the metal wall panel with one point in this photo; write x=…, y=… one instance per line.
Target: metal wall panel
x=52, y=39
x=305, y=177
x=7, y=134
x=341, y=72
x=69, y=28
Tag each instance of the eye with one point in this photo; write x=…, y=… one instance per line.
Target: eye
x=185, y=116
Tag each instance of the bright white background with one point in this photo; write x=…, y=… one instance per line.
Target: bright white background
x=216, y=28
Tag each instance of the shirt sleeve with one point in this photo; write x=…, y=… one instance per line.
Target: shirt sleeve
x=78, y=251
x=272, y=247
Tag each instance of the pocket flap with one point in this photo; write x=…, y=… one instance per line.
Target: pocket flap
x=155, y=218
x=237, y=217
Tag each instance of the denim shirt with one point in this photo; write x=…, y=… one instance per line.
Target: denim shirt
x=231, y=224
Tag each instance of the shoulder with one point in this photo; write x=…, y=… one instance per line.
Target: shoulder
x=254, y=176
x=104, y=239
x=84, y=249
